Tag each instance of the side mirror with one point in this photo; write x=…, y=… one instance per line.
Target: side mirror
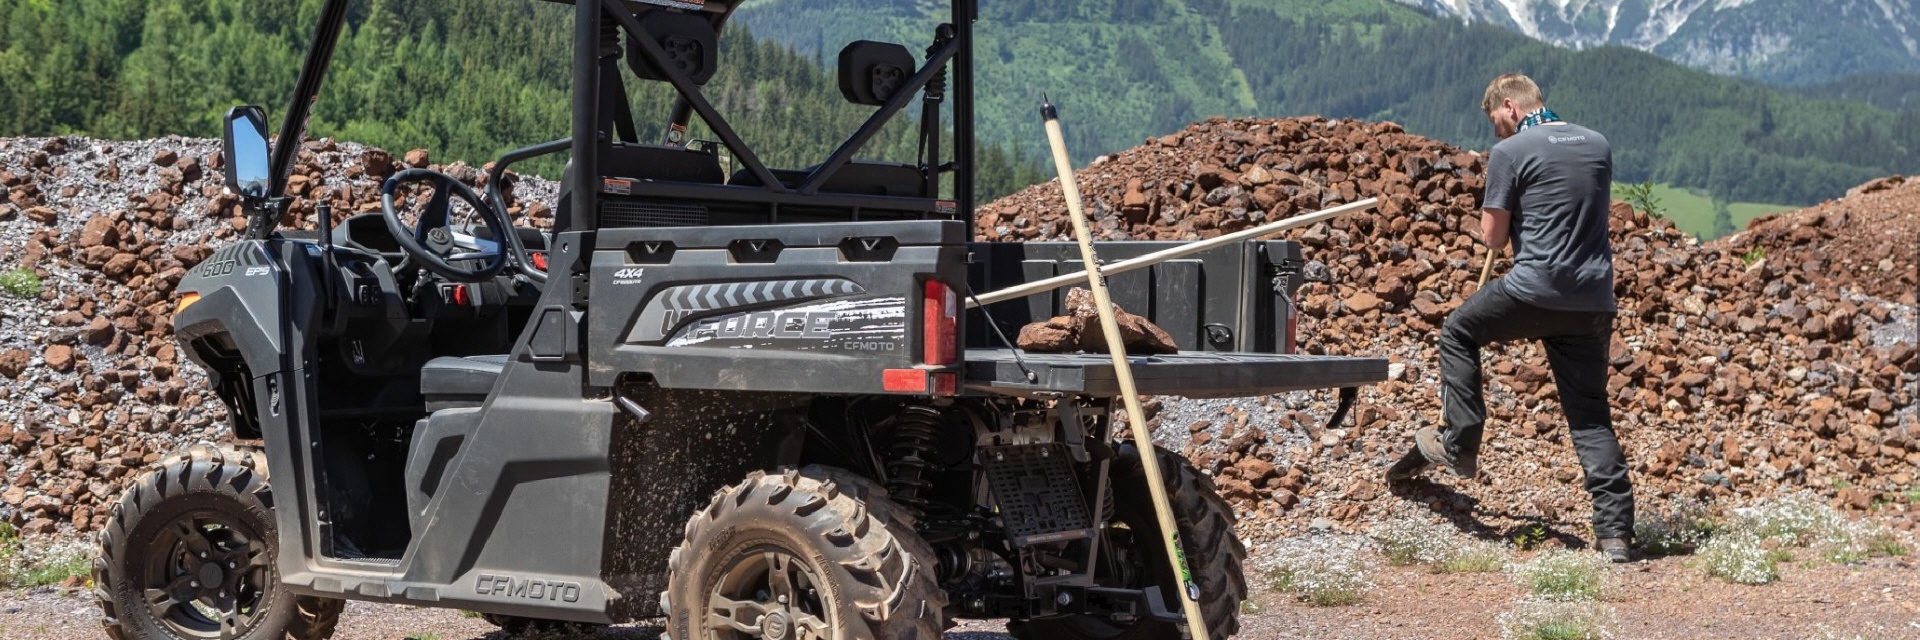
x=246, y=152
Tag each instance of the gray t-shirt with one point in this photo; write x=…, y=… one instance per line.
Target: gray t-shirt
x=1556, y=180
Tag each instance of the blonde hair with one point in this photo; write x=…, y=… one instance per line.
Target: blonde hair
x=1512, y=86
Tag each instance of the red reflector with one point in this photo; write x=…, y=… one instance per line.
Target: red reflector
x=1293, y=342
x=940, y=320
x=460, y=295
x=539, y=261
x=946, y=384
x=904, y=380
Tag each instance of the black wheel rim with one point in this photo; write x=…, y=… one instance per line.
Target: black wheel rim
x=767, y=593
x=206, y=577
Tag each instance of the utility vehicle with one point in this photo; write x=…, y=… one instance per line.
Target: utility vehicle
x=746, y=405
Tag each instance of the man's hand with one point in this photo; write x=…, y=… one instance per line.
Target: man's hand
x=1493, y=227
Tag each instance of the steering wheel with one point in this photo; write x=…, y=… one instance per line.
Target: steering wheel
x=434, y=242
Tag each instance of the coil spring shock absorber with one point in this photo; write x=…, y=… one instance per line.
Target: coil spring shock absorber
x=915, y=432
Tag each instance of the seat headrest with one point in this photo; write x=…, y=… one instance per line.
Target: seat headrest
x=690, y=42
x=871, y=72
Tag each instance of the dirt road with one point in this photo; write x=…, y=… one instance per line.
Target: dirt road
x=1657, y=599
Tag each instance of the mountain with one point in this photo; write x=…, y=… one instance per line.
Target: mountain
x=1790, y=42
x=1125, y=70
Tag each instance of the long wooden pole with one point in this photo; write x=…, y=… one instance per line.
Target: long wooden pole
x=1487, y=268
x=1164, y=255
x=1123, y=371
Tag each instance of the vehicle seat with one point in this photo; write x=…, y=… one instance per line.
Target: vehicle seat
x=452, y=383
x=659, y=162
x=856, y=177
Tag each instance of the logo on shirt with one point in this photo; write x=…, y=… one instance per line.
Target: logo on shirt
x=1561, y=139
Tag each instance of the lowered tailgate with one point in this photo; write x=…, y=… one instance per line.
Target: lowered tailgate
x=1193, y=375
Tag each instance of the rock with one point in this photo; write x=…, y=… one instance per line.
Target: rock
x=99, y=231
x=1255, y=470
x=98, y=330
x=165, y=158
x=1876, y=185
x=59, y=357
x=1081, y=330
x=120, y=265
x=40, y=504
x=377, y=163
x=1362, y=303
x=1060, y=334
x=13, y=362
x=13, y=496
x=43, y=215
x=417, y=158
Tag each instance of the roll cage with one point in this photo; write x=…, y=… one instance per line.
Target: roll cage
x=660, y=184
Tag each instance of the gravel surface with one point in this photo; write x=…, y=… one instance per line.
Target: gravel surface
x=1655, y=599
x=92, y=384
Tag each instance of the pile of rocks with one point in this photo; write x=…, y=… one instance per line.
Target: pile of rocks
x=1733, y=376
x=1776, y=360
x=1867, y=241
x=94, y=236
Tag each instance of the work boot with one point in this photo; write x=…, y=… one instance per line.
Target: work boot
x=1410, y=466
x=1616, y=549
x=1429, y=444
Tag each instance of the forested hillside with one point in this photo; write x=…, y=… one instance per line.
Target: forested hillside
x=1157, y=64
x=467, y=79
x=1738, y=140
x=472, y=78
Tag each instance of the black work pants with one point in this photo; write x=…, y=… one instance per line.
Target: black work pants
x=1576, y=344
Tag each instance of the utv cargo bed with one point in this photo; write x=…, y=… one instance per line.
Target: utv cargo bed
x=1193, y=375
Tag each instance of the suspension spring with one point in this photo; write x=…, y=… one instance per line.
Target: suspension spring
x=915, y=433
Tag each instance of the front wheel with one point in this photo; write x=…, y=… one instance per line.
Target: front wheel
x=189, y=554
x=810, y=554
x=1139, y=558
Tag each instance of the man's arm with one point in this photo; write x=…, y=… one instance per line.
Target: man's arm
x=1493, y=227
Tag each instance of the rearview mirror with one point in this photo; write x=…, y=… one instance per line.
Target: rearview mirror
x=246, y=152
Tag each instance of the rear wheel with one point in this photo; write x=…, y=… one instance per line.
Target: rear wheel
x=189, y=553
x=1214, y=555
x=813, y=554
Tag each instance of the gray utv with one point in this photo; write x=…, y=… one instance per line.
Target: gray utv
x=746, y=405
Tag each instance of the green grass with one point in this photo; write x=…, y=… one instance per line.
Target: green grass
x=1474, y=556
x=1692, y=210
x=49, y=562
x=1535, y=619
x=20, y=282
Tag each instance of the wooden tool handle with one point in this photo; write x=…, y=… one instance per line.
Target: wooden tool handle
x=1123, y=371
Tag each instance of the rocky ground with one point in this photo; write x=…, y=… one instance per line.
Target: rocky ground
x=1865, y=241
x=1657, y=600
x=1780, y=359
x=1736, y=374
